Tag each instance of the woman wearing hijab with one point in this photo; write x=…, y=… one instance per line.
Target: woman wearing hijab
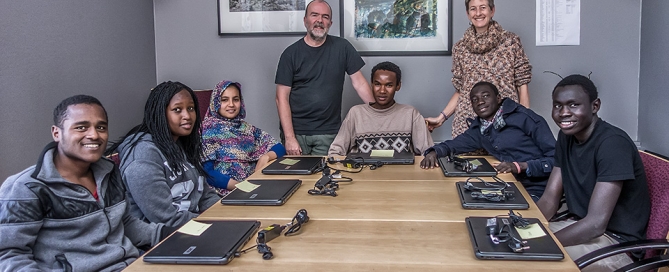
x=233, y=148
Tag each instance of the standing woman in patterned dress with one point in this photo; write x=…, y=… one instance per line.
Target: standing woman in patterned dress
x=489, y=53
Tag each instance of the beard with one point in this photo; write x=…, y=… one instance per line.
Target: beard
x=318, y=35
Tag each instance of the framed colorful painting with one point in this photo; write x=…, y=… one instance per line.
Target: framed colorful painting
x=261, y=17
x=397, y=27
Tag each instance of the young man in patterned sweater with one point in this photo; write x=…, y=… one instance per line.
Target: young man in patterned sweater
x=383, y=124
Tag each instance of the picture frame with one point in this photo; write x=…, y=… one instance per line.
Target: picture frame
x=261, y=17
x=398, y=27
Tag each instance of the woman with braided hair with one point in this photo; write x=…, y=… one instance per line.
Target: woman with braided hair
x=160, y=159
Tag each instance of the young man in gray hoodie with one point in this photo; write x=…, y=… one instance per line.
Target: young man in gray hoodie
x=69, y=212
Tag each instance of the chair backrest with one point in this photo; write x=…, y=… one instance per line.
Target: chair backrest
x=666, y=268
x=657, y=176
x=203, y=97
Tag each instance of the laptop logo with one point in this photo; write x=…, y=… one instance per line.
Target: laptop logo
x=287, y=167
x=253, y=196
x=189, y=250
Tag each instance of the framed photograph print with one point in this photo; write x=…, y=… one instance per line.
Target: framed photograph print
x=397, y=27
x=261, y=17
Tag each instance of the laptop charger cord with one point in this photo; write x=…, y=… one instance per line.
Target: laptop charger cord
x=295, y=225
x=463, y=163
x=493, y=197
x=348, y=163
x=518, y=220
x=498, y=186
x=327, y=184
x=273, y=231
x=355, y=163
x=264, y=236
x=500, y=230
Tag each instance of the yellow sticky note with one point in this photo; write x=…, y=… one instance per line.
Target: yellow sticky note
x=194, y=228
x=475, y=162
x=382, y=153
x=497, y=192
x=531, y=231
x=246, y=186
x=288, y=161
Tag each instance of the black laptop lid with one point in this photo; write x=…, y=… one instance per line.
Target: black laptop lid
x=371, y=158
x=518, y=202
x=216, y=245
x=270, y=192
x=294, y=165
x=540, y=249
x=484, y=169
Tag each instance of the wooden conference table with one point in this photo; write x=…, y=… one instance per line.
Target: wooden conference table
x=394, y=218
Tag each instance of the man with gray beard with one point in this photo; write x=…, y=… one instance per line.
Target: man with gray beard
x=310, y=81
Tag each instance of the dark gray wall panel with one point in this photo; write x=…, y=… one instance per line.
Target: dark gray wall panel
x=54, y=49
x=654, y=79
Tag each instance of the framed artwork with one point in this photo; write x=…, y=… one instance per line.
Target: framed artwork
x=261, y=17
x=397, y=27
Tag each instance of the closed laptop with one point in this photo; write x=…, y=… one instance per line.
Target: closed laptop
x=516, y=202
x=539, y=249
x=295, y=165
x=452, y=169
x=372, y=158
x=268, y=193
x=216, y=245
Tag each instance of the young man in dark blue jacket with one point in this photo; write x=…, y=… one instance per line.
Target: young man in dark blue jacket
x=518, y=137
x=69, y=212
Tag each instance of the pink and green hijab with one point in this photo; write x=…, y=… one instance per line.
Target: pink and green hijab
x=233, y=145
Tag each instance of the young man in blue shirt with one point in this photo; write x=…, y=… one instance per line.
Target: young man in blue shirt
x=518, y=137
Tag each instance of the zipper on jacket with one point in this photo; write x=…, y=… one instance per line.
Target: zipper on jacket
x=104, y=209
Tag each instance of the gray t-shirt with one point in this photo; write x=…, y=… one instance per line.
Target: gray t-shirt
x=316, y=78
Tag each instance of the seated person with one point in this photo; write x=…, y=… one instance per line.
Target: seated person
x=69, y=212
x=382, y=124
x=600, y=172
x=513, y=134
x=233, y=148
x=160, y=159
